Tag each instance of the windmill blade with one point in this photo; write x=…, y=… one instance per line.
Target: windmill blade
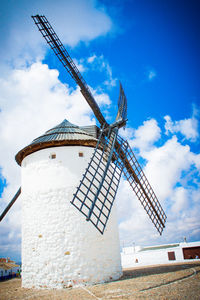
x=122, y=105
x=144, y=191
x=97, y=190
x=10, y=204
x=56, y=45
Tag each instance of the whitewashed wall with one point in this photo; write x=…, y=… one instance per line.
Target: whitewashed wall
x=129, y=255
x=59, y=247
x=150, y=257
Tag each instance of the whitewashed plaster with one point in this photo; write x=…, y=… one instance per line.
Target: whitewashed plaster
x=59, y=247
x=134, y=257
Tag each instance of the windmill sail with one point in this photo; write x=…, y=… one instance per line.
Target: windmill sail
x=97, y=190
x=144, y=191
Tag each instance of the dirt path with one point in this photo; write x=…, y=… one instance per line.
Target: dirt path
x=181, y=281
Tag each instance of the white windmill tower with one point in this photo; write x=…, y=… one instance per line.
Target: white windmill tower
x=69, y=170
x=58, y=247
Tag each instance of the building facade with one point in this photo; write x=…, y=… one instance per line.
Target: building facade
x=8, y=269
x=161, y=254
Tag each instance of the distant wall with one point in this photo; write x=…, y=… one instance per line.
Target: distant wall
x=132, y=258
x=6, y=274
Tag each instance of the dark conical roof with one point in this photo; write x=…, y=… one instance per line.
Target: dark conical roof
x=63, y=131
x=63, y=134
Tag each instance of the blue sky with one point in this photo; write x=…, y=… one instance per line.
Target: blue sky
x=152, y=47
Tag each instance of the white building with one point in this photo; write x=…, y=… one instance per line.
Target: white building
x=59, y=247
x=8, y=269
x=161, y=254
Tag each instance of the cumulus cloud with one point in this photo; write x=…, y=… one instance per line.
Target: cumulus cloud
x=76, y=20
x=180, y=200
x=144, y=136
x=187, y=127
x=166, y=164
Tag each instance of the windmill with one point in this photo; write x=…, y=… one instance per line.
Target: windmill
x=94, y=196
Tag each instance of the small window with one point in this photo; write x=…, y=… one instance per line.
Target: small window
x=171, y=255
x=80, y=154
x=52, y=156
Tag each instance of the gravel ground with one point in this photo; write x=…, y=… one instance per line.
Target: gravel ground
x=180, y=281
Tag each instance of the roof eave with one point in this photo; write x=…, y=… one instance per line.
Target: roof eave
x=55, y=143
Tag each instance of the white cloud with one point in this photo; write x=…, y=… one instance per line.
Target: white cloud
x=180, y=200
x=101, y=64
x=144, y=136
x=134, y=224
x=187, y=127
x=110, y=81
x=165, y=165
x=151, y=74
x=76, y=20
x=91, y=58
x=101, y=98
